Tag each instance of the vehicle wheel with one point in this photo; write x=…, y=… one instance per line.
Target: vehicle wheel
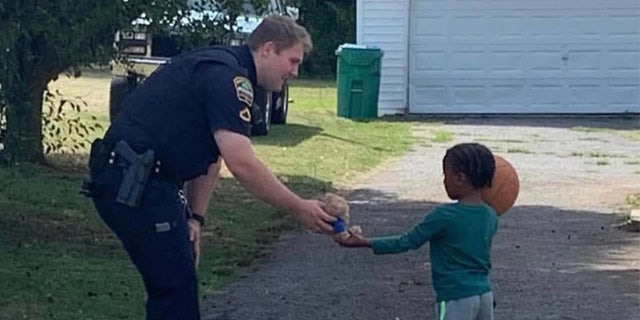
x=117, y=92
x=261, y=115
x=280, y=103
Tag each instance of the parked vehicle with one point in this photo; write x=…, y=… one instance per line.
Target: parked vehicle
x=144, y=51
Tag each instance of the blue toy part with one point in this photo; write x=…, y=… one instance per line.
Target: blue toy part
x=339, y=226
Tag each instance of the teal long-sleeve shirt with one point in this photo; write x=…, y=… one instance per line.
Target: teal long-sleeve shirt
x=460, y=237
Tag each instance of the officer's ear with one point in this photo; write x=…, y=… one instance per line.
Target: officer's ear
x=268, y=48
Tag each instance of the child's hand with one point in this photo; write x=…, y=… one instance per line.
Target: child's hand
x=354, y=240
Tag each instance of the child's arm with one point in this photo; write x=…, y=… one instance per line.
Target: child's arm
x=413, y=239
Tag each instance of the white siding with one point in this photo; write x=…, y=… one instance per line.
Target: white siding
x=385, y=24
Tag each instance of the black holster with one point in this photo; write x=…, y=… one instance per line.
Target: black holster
x=135, y=176
x=137, y=168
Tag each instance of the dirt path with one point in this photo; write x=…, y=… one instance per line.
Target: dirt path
x=556, y=255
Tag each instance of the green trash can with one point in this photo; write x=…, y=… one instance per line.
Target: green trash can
x=358, y=81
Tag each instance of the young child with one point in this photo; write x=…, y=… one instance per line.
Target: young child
x=459, y=236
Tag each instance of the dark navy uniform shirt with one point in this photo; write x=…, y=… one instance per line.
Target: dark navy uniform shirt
x=178, y=108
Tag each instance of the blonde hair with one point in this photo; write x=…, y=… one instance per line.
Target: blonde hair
x=283, y=31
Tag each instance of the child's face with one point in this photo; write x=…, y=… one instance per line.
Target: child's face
x=453, y=182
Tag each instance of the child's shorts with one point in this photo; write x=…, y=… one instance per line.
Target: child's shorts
x=478, y=307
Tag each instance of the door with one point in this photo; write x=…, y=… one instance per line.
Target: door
x=524, y=56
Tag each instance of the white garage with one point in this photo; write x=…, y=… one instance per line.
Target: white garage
x=505, y=56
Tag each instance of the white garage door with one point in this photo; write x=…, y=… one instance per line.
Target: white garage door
x=524, y=56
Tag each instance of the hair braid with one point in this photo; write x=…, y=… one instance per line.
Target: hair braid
x=474, y=160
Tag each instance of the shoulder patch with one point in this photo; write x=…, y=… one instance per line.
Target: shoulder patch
x=245, y=114
x=244, y=90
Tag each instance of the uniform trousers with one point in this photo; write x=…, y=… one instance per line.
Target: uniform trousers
x=156, y=237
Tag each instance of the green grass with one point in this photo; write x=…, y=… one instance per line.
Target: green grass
x=633, y=200
x=501, y=140
x=518, y=150
x=58, y=260
x=633, y=134
x=596, y=154
x=442, y=136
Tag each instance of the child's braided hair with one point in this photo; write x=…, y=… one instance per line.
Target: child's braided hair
x=474, y=160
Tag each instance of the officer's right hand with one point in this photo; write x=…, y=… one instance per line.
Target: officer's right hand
x=311, y=214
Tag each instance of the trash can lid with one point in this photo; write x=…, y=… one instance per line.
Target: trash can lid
x=353, y=46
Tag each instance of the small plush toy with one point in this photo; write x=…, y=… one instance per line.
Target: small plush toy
x=338, y=207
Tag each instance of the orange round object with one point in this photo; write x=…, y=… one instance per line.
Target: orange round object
x=504, y=187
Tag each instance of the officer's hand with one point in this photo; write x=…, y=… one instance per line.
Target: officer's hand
x=194, y=237
x=311, y=214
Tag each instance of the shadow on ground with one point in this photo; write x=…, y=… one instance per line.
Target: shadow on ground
x=549, y=263
x=287, y=135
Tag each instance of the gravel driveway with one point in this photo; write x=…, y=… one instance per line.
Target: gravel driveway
x=557, y=254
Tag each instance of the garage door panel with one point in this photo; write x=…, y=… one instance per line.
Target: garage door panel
x=586, y=95
x=547, y=94
x=623, y=25
x=544, y=63
x=434, y=95
x=506, y=95
x=467, y=62
x=520, y=96
x=468, y=94
x=430, y=26
x=524, y=56
x=506, y=63
x=622, y=60
x=507, y=6
x=623, y=94
x=584, y=62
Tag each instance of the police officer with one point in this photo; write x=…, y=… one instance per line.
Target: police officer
x=173, y=131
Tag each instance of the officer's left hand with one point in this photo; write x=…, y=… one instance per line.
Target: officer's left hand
x=194, y=237
x=312, y=214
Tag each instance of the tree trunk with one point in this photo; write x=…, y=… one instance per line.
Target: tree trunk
x=37, y=65
x=24, y=127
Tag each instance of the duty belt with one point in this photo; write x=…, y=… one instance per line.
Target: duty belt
x=158, y=171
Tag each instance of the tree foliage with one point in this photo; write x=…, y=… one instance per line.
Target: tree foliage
x=64, y=131
x=41, y=39
x=330, y=23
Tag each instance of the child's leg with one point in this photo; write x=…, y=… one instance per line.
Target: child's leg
x=486, y=307
x=462, y=309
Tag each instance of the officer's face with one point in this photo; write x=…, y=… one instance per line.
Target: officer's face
x=276, y=68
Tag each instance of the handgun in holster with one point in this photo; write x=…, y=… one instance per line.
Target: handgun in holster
x=135, y=176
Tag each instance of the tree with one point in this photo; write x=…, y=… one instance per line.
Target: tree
x=41, y=39
x=330, y=23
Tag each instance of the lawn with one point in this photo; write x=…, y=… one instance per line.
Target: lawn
x=58, y=261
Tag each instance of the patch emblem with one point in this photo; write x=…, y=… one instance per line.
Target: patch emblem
x=244, y=90
x=245, y=115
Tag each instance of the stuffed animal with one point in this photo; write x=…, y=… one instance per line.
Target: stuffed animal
x=338, y=207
